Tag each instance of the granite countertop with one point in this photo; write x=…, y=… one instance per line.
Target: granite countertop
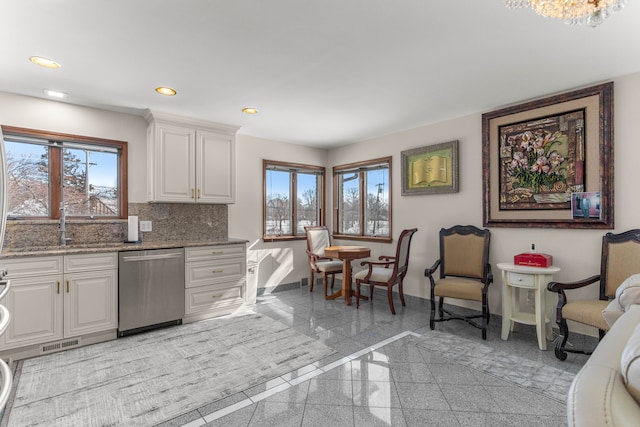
x=109, y=247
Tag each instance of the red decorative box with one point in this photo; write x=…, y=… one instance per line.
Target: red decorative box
x=533, y=260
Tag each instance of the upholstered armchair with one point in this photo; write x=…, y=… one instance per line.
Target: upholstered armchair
x=465, y=273
x=620, y=259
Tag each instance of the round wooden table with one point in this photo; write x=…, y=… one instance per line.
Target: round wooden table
x=346, y=254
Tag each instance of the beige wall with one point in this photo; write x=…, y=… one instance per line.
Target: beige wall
x=576, y=252
x=274, y=263
x=35, y=113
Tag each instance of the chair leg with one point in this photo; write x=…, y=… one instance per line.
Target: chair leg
x=564, y=330
x=357, y=294
x=324, y=284
x=401, y=292
x=390, y=298
x=432, y=323
x=310, y=280
x=485, y=316
x=440, y=308
x=371, y=291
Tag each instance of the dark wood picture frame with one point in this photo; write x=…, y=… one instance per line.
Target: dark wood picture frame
x=581, y=123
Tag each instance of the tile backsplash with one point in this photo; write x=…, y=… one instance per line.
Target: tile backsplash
x=170, y=222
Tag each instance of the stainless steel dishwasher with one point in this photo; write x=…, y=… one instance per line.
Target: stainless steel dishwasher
x=150, y=289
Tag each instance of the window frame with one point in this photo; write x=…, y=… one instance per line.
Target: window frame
x=361, y=168
x=55, y=165
x=293, y=190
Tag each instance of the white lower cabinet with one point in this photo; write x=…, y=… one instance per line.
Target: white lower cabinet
x=215, y=281
x=36, y=307
x=90, y=305
x=58, y=298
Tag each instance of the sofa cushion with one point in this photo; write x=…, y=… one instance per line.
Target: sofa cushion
x=598, y=397
x=630, y=364
x=627, y=294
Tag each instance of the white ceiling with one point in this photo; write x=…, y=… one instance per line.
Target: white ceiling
x=323, y=73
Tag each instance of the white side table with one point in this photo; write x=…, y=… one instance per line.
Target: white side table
x=516, y=277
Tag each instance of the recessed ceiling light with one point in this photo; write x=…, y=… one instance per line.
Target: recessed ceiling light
x=44, y=62
x=55, y=94
x=250, y=110
x=162, y=90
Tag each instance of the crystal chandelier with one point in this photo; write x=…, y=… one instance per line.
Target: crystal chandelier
x=573, y=12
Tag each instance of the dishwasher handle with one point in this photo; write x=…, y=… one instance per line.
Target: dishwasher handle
x=136, y=258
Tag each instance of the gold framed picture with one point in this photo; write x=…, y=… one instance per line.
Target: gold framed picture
x=432, y=169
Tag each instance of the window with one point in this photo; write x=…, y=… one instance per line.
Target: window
x=283, y=183
x=45, y=170
x=362, y=200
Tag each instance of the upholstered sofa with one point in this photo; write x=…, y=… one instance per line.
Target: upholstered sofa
x=606, y=391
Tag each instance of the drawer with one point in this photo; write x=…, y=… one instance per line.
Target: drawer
x=212, y=272
x=33, y=266
x=522, y=280
x=202, y=253
x=88, y=262
x=206, y=298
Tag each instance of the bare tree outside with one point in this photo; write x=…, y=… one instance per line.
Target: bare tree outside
x=350, y=209
x=307, y=209
x=82, y=195
x=377, y=214
x=27, y=182
x=364, y=204
x=278, y=214
x=292, y=198
x=28, y=170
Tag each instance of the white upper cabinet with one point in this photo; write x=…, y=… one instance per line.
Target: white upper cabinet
x=190, y=161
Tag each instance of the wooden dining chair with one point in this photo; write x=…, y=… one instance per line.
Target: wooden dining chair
x=388, y=271
x=317, y=239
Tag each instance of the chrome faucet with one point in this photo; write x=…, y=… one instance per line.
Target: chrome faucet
x=63, y=226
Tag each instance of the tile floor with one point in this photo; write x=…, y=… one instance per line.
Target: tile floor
x=380, y=377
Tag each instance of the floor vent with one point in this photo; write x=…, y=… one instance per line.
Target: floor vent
x=59, y=346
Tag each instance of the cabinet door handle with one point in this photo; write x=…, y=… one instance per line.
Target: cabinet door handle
x=58, y=286
x=67, y=286
x=217, y=252
x=198, y=193
x=192, y=196
x=217, y=271
x=215, y=296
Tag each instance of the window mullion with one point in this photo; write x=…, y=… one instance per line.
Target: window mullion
x=294, y=204
x=56, y=181
x=362, y=202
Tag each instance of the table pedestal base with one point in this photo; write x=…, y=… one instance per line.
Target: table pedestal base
x=339, y=294
x=346, y=254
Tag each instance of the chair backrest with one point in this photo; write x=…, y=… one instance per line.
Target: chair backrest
x=464, y=251
x=620, y=259
x=402, y=251
x=317, y=239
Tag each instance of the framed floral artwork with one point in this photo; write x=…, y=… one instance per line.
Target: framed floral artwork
x=537, y=155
